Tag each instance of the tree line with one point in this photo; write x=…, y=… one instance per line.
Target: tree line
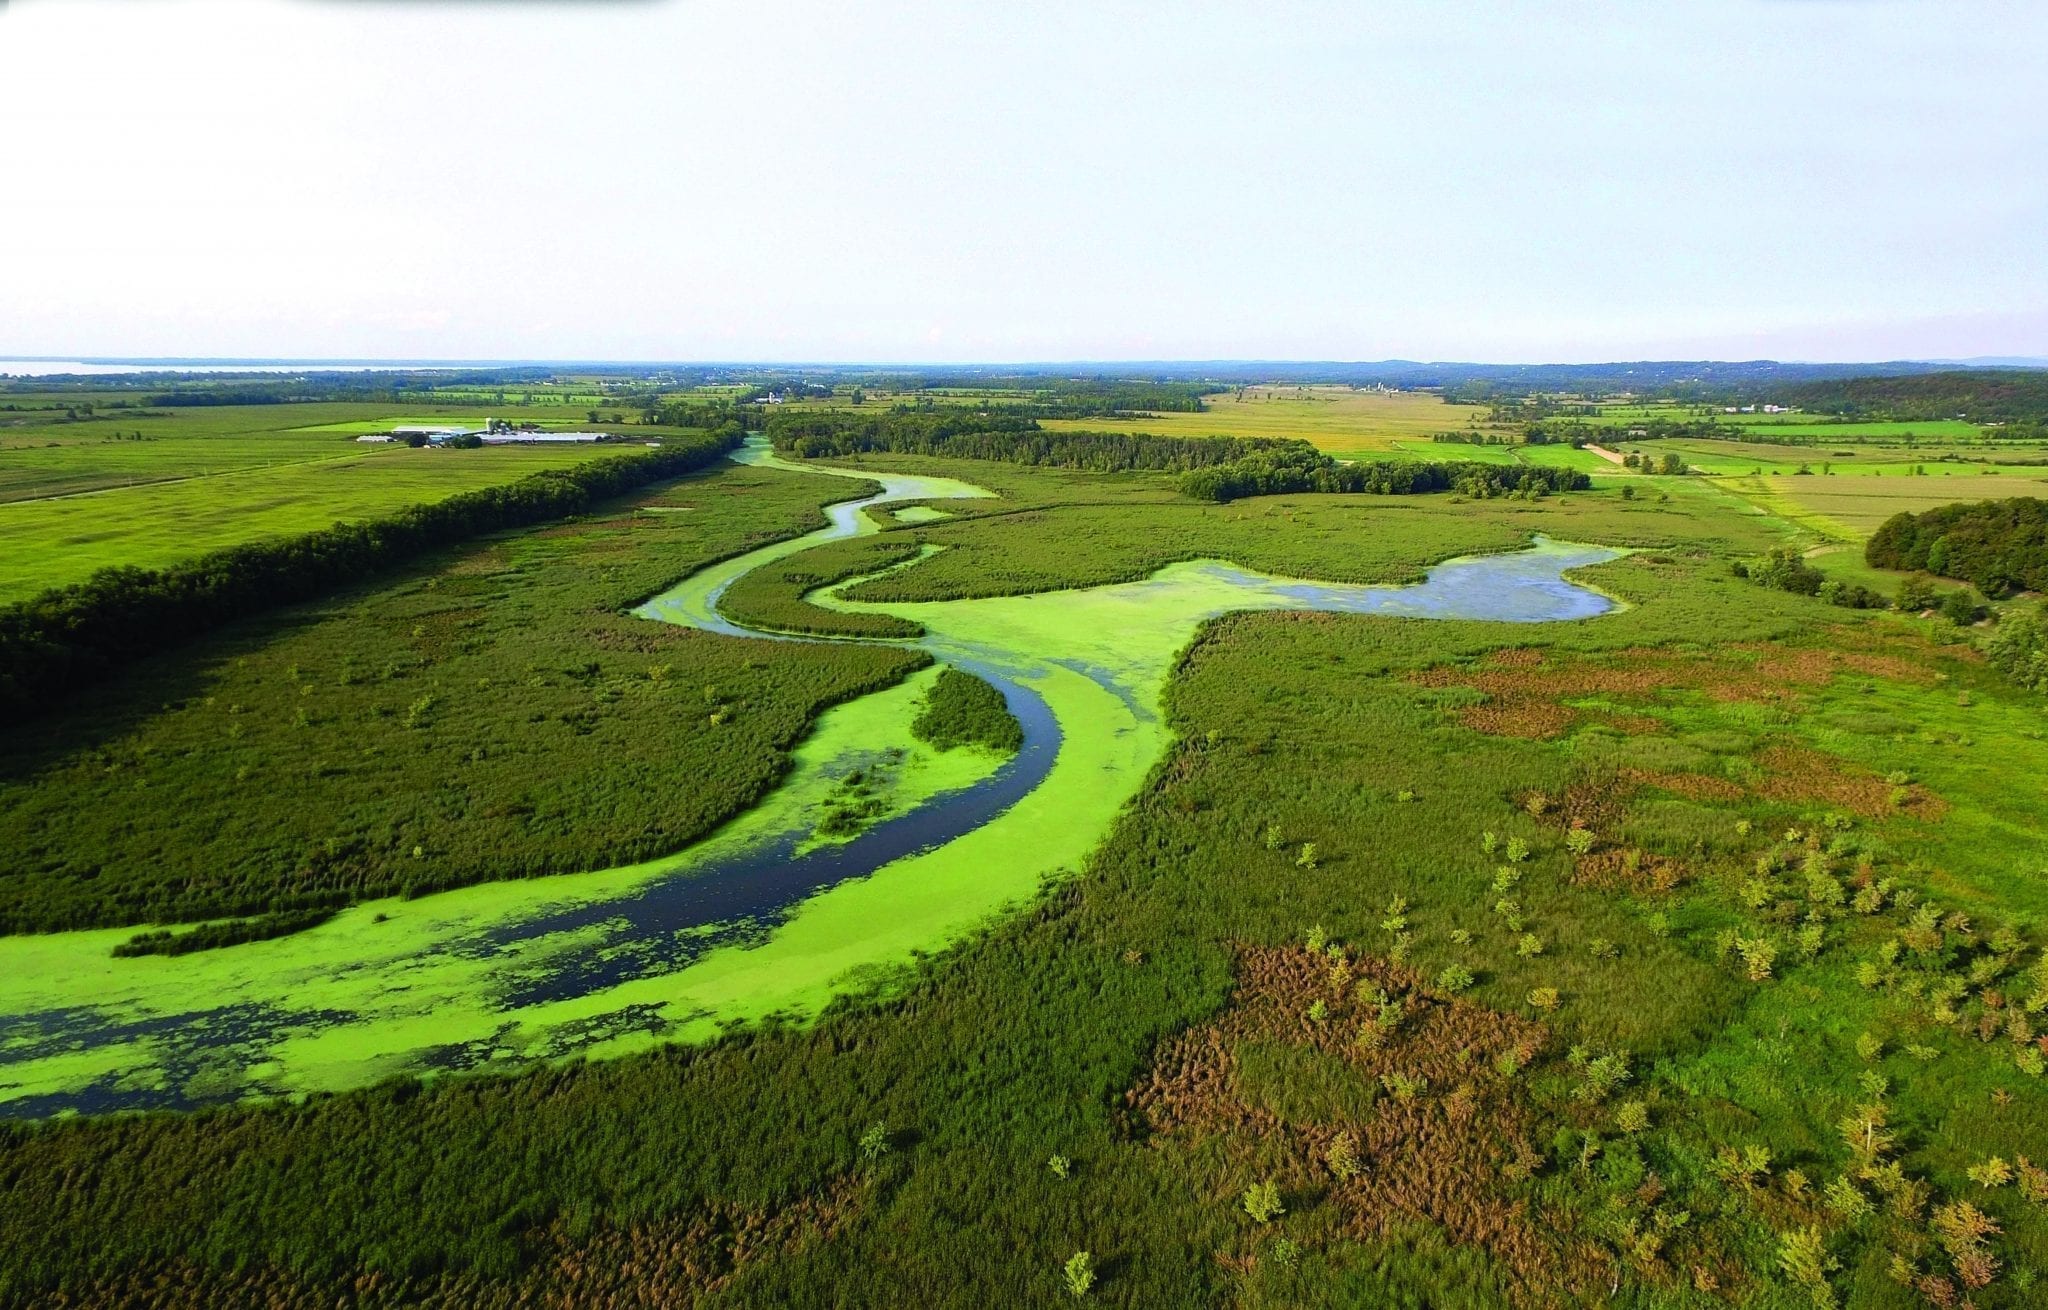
x=1979, y=395
x=2000, y=546
x=1006, y=436
x=68, y=638
x=1299, y=467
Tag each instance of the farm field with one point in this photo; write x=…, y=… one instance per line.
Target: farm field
x=153, y=489
x=1339, y=420
x=1791, y=425
x=64, y=539
x=1849, y=506
x=1729, y=457
x=1432, y=899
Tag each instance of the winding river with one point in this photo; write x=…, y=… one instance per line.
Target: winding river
x=762, y=918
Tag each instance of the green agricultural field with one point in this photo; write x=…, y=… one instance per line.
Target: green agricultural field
x=1801, y=425
x=151, y=490
x=1345, y=943
x=1849, y=506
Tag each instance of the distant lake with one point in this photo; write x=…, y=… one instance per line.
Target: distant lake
x=43, y=368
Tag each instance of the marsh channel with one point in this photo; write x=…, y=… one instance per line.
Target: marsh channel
x=767, y=916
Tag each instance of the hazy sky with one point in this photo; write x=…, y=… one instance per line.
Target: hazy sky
x=872, y=180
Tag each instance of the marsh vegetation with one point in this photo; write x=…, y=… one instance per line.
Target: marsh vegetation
x=1688, y=956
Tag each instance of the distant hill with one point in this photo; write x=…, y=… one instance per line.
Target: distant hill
x=1979, y=395
x=1703, y=376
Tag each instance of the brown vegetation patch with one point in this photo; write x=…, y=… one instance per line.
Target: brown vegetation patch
x=1598, y=806
x=1528, y=697
x=436, y=635
x=1802, y=775
x=1444, y=1152
x=670, y=1263
x=1627, y=869
x=1535, y=719
x=1692, y=786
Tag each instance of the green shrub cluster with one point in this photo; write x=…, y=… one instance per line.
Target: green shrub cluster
x=2018, y=648
x=963, y=710
x=69, y=638
x=212, y=936
x=1784, y=568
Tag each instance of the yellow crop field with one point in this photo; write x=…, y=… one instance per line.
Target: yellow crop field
x=1335, y=419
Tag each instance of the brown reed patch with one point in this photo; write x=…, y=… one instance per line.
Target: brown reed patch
x=1526, y=694
x=438, y=635
x=668, y=1263
x=1801, y=775
x=1529, y=719
x=1439, y=1155
x=1692, y=786
x=1627, y=869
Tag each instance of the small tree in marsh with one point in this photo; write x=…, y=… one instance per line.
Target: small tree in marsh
x=1079, y=1272
x=1803, y=1255
x=1342, y=1156
x=874, y=1143
x=1262, y=1202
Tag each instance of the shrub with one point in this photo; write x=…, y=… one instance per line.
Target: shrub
x=1758, y=955
x=874, y=1143
x=1916, y=594
x=1342, y=1156
x=1803, y=1255
x=1961, y=607
x=2018, y=648
x=1262, y=1202
x=1079, y=1273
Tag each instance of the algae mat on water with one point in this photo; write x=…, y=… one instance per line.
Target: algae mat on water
x=499, y=975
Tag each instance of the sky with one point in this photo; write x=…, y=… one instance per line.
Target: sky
x=883, y=181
